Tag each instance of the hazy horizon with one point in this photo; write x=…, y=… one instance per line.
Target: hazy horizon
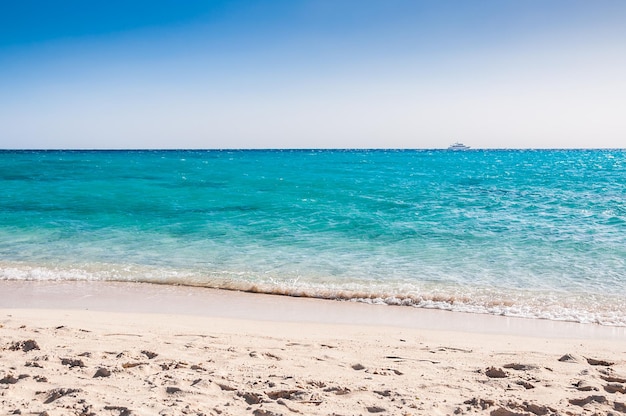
x=300, y=149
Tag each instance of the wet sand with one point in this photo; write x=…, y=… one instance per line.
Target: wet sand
x=135, y=349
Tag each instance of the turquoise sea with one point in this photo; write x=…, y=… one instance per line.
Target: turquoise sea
x=538, y=234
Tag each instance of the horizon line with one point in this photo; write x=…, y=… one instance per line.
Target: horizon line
x=304, y=149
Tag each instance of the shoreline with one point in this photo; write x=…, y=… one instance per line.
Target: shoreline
x=121, y=349
x=187, y=300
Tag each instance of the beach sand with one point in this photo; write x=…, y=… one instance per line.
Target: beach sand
x=134, y=349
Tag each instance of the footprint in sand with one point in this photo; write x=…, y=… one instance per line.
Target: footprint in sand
x=25, y=346
x=493, y=372
x=594, y=362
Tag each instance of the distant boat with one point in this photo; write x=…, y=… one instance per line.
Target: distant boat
x=458, y=146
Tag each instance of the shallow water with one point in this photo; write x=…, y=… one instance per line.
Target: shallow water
x=521, y=233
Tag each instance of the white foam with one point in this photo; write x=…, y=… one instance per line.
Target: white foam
x=583, y=308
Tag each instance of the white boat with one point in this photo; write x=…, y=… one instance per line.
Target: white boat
x=458, y=146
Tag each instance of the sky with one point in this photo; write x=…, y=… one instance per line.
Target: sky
x=312, y=74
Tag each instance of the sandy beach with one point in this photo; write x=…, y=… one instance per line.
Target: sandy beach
x=126, y=349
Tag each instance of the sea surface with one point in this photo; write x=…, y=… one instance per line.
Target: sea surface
x=529, y=233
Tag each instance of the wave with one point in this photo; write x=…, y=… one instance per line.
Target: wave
x=607, y=310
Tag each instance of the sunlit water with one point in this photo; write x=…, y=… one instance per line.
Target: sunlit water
x=522, y=233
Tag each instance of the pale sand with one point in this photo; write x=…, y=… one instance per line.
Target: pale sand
x=225, y=353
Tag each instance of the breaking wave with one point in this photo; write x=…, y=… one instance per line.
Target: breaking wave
x=582, y=308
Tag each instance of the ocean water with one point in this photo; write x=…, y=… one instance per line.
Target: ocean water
x=539, y=234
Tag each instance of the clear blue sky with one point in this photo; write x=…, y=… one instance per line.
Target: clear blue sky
x=312, y=74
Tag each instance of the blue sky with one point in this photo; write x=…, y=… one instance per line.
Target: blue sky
x=312, y=74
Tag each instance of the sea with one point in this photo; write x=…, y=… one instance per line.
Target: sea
x=525, y=233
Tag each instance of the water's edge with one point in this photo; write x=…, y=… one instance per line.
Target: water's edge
x=128, y=298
